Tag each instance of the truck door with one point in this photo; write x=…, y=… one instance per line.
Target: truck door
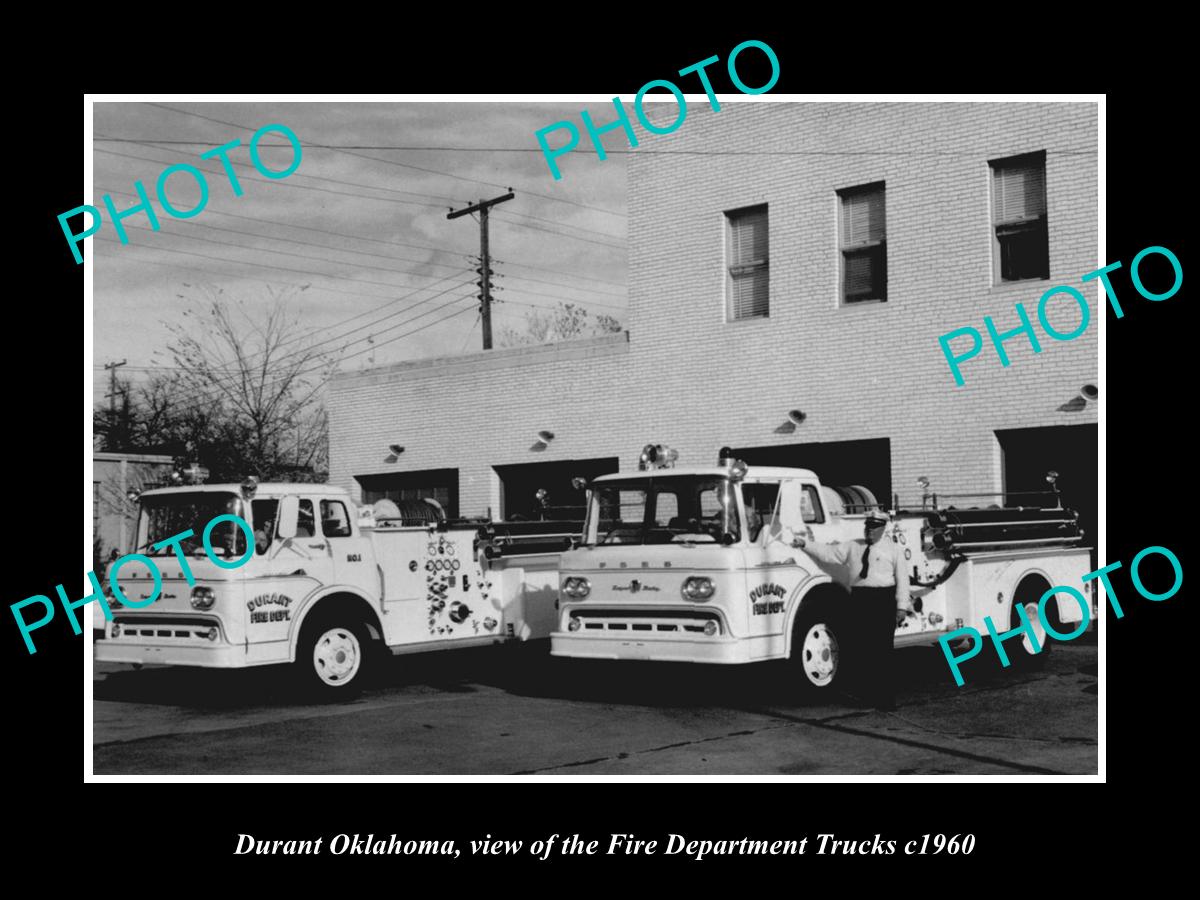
x=352, y=555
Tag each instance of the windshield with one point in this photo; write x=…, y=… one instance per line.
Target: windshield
x=664, y=510
x=166, y=515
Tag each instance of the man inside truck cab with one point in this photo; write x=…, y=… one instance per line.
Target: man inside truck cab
x=879, y=599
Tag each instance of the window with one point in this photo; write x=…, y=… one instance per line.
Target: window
x=666, y=509
x=759, y=498
x=335, y=522
x=864, y=243
x=264, y=512
x=810, y=505
x=748, y=284
x=306, y=525
x=688, y=509
x=1022, y=244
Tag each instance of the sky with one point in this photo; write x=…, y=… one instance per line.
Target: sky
x=357, y=239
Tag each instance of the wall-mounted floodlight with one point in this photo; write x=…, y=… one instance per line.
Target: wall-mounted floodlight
x=1075, y=404
x=1089, y=392
x=797, y=416
x=396, y=449
x=545, y=436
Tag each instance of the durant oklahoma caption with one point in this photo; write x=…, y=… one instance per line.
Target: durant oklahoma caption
x=615, y=845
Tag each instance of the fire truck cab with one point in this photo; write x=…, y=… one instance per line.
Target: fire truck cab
x=325, y=587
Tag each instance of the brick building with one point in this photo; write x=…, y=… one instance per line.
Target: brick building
x=791, y=267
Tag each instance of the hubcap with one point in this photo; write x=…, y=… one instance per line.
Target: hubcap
x=1031, y=613
x=819, y=655
x=337, y=656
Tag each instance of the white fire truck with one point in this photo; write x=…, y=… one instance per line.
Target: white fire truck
x=698, y=565
x=326, y=586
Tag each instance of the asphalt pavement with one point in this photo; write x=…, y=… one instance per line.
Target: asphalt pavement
x=515, y=710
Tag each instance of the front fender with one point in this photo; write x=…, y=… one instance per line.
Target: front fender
x=817, y=581
x=325, y=592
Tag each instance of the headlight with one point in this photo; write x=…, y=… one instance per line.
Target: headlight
x=203, y=597
x=576, y=588
x=574, y=624
x=697, y=587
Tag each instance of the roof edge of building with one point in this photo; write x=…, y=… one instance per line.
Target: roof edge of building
x=484, y=360
x=117, y=456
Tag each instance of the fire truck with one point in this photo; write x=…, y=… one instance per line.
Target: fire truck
x=697, y=564
x=328, y=586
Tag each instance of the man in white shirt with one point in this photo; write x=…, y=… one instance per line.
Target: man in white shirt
x=879, y=597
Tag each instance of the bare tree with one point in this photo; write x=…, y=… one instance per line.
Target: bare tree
x=563, y=322
x=251, y=385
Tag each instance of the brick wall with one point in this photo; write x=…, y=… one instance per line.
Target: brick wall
x=689, y=378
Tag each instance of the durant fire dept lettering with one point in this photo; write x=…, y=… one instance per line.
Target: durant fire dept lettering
x=271, y=615
x=767, y=590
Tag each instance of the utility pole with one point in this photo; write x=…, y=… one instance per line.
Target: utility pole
x=112, y=407
x=112, y=389
x=485, y=270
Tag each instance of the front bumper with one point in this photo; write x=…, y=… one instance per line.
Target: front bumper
x=168, y=640
x=716, y=649
x=217, y=656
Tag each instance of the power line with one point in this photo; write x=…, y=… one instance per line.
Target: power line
x=383, y=306
x=262, y=265
x=442, y=200
x=467, y=339
x=309, y=187
x=219, y=385
x=562, y=234
x=359, y=237
x=293, y=284
x=286, y=183
x=458, y=268
x=508, y=214
x=391, y=162
x=338, y=262
x=446, y=148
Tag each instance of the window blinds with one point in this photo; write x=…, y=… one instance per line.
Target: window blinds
x=863, y=218
x=1020, y=190
x=748, y=264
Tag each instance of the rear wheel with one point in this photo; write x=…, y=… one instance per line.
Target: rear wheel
x=333, y=658
x=818, y=638
x=1021, y=653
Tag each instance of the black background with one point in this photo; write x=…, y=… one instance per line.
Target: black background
x=1048, y=827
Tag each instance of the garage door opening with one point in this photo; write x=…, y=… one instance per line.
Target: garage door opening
x=836, y=463
x=1069, y=450
x=410, y=488
x=562, y=501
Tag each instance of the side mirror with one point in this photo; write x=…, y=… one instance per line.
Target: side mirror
x=289, y=513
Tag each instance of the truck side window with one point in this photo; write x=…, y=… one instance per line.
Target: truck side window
x=760, y=505
x=264, y=512
x=305, y=524
x=810, y=505
x=335, y=522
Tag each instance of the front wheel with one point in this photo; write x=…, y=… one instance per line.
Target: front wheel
x=333, y=659
x=817, y=650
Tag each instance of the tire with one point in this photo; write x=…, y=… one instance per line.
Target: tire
x=817, y=657
x=1020, y=652
x=333, y=659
